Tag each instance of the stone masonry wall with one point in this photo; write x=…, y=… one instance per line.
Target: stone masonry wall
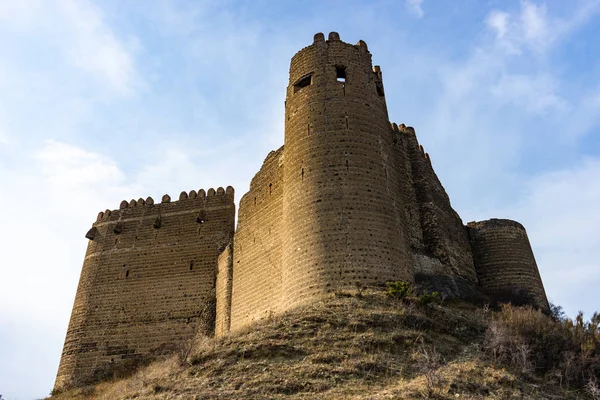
x=343, y=212
x=256, y=291
x=223, y=291
x=147, y=281
x=505, y=263
x=443, y=261
x=402, y=158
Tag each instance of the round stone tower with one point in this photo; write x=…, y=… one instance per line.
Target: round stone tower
x=344, y=223
x=505, y=264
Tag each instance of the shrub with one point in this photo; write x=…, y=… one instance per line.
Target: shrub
x=399, y=289
x=557, y=313
x=406, y=292
x=429, y=298
x=528, y=340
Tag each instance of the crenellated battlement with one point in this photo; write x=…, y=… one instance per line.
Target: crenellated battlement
x=319, y=40
x=201, y=198
x=156, y=264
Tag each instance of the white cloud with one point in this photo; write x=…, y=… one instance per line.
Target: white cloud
x=498, y=21
x=79, y=30
x=560, y=212
x=66, y=166
x=415, y=7
x=532, y=29
x=97, y=50
x=534, y=22
x=536, y=93
x=502, y=98
x=59, y=190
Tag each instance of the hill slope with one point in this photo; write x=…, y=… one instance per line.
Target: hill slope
x=366, y=346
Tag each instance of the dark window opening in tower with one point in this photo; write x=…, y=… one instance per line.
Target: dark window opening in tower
x=303, y=82
x=127, y=274
x=340, y=73
x=379, y=87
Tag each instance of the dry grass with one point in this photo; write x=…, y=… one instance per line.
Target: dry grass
x=348, y=347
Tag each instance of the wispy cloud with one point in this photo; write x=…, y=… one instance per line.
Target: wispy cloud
x=79, y=30
x=415, y=7
x=533, y=29
x=559, y=209
x=65, y=166
x=504, y=96
x=535, y=93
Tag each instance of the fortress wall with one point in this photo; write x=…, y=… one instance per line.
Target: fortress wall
x=343, y=218
x=256, y=291
x=407, y=189
x=445, y=238
x=147, y=281
x=505, y=263
x=223, y=288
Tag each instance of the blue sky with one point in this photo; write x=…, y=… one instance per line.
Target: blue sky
x=104, y=101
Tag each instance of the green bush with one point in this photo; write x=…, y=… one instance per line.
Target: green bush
x=429, y=298
x=400, y=289
x=406, y=292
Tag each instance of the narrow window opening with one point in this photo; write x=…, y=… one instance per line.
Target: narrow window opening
x=201, y=218
x=340, y=73
x=127, y=274
x=255, y=201
x=191, y=265
x=347, y=167
x=379, y=87
x=303, y=82
x=302, y=174
x=346, y=122
x=270, y=188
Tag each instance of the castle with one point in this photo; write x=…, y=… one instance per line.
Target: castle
x=350, y=201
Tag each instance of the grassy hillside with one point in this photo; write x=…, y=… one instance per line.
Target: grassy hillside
x=364, y=346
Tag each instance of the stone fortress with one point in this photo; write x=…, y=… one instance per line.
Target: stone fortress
x=350, y=201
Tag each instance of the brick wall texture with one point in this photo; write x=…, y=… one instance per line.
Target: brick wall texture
x=223, y=288
x=349, y=201
x=257, y=251
x=505, y=263
x=343, y=216
x=147, y=282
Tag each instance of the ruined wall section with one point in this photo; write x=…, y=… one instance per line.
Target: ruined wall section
x=343, y=213
x=444, y=262
x=505, y=263
x=402, y=160
x=257, y=254
x=223, y=289
x=147, y=281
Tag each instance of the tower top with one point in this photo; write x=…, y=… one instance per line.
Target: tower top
x=335, y=37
